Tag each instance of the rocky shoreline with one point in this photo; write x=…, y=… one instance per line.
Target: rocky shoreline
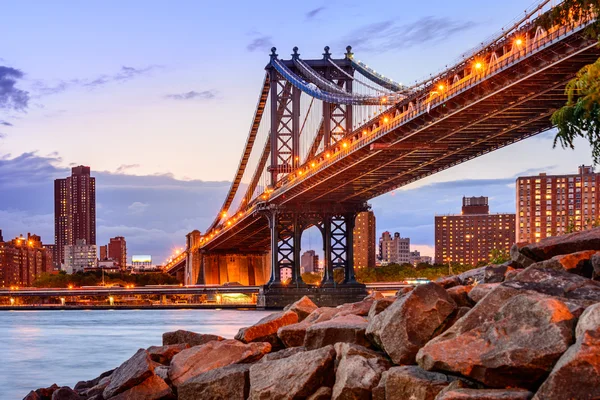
x=525, y=329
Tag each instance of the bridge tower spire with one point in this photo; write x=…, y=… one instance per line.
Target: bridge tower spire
x=337, y=118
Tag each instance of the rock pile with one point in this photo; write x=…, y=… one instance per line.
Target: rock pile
x=526, y=329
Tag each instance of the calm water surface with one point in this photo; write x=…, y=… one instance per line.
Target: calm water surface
x=39, y=348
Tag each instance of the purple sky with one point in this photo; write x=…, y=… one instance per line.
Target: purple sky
x=157, y=98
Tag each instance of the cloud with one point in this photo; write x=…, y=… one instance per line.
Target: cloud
x=205, y=95
x=314, y=12
x=389, y=35
x=262, y=43
x=10, y=96
x=125, y=74
x=137, y=207
x=5, y=123
x=125, y=167
x=2, y=135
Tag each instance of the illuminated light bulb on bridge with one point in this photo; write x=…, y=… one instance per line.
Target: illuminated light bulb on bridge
x=312, y=164
x=344, y=145
x=365, y=132
x=228, y=223
x=519, y=42
x=441, y=87
x=299, y=172
x=327, y=155
x=478, y=65
x=386, y=120
x=224, y=213
x=384, y=99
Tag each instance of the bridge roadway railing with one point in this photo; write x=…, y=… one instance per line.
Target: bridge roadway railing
x=380, y=127
x=130, y=292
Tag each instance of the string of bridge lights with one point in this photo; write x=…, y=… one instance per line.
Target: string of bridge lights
x=437, y=90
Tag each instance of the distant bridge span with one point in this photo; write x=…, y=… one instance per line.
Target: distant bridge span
x=333, y=134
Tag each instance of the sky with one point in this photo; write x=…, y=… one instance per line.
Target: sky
x=157, y=98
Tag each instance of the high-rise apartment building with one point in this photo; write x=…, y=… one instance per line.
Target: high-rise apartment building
x=309, y=262
x=549, y=205
x=364, y=240
x=470, y=237
x=395, y=249
x=117, y=251
x=79, y=256
x=23, y=260
x=74, y=210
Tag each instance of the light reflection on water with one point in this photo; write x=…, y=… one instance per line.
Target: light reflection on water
x=39, y=348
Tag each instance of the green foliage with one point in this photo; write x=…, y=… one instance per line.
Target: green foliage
x=396, y=272
x=63, y=280
x=498, y=256
x=580, y=116
x=311, y=278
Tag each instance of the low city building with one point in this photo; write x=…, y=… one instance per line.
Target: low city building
x=23, y=260
x=79, y=256
x=416, y=258
x=309, y=262
x=470, y=237
x=117, y=251
x=394, y=250
x=141, y=262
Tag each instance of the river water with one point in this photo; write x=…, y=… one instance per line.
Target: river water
x=39, y=348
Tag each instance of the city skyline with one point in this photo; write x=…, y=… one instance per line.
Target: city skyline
x=157, y=191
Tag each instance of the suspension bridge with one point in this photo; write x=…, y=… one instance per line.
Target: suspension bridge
x=329, y=134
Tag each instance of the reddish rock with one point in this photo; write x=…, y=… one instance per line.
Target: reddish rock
x=282, y=354
x=380, y=305
x=576, y=263
x=65, y=393
x=472, y=276
x=187, y=337
x=485, y=394
x=42, y=393
x=164, y=354
x=358, y=371
x=294, y=377
x=588, y=321
x=162, y=372
x=460, y=295
x=359, y=308
x=564, y=244
x=302, y=307
x=322, y=393
x=451, y=320
x=410, y=322
x=576, y=375
x=514, y=349
x=348, y=328
x=230, y=383
x=82, y=385
x=478, y=292
x=293, y=335
x=131, y=373
x=153, y=388
x=519, y=258
x=448, y=281
x=265, y=330
x=410, y=382
x=216, y=354
x=321, y=314
x=496, y=273
x=511, y=274
x=596, y=266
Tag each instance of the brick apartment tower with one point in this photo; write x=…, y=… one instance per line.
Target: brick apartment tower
x=470, y=237
x=117, y=251
x=364, y=240
x=550, y=205
x=74, y=210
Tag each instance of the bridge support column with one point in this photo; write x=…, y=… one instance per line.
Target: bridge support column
x=338, y=247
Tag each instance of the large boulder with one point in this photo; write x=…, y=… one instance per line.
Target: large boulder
x=302, y=307
x=348, y=328
x=131, y=373
x=153, y=388
x=322, y=393
x=294, y=377
x=516, y=348
x=497, y=273
x=519, y=258
x=231, y=383
x=579, y=263
x=42, y=393
x=478, y=292
x=360, y=307
x=460, y=295
x=410, y=382
x=588, y=321
x=186, y=337
x=65, y=393
x=379, y=305
x=472, y=276
x=485, y=394
x=410, y=322
x=216, y=354
x=564, y=244
x=285, y=353
x=164, y=354
x=358, y=371
x=293, y=335
x=576, y=375
x=83, y=385
x=265, y=330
